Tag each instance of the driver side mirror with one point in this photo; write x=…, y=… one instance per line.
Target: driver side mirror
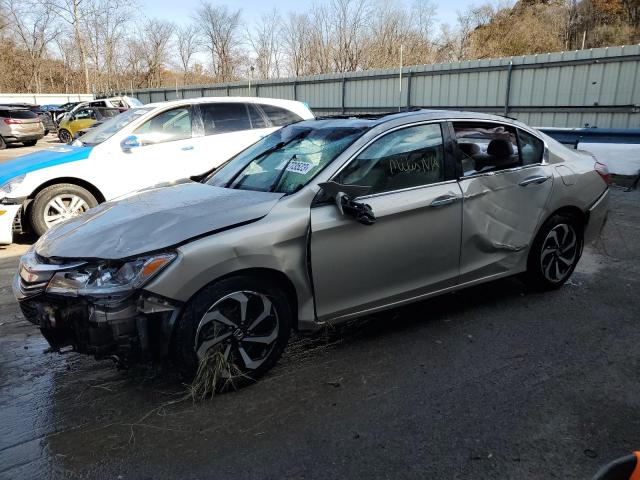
x=130, y=142
x=343, y=196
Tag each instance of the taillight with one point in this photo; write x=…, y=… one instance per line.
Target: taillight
x=12, y=121
x=602, y=170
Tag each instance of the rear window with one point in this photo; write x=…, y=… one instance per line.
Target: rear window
x=279, y=116
x=22, y=114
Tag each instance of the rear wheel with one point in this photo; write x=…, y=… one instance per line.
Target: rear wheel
x=30, y=143
x=245, y=321
x=3, y=144
x=555, y=252
x=65, y=135
x=58, y=203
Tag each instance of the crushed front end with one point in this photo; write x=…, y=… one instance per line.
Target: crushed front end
x=97, y=307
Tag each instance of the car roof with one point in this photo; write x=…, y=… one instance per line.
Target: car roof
x=424, y=114
x=269, y=101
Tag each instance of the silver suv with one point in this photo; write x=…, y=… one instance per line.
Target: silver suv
x=19, y=125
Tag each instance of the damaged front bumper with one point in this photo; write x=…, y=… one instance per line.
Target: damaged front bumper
x=129, y=329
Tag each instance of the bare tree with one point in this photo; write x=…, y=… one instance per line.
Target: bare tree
x=296, y=33
x=187, y=46
x=71, y=12
x=265, y=41
x=34, y=29
x=153, y=46
x=219, y=30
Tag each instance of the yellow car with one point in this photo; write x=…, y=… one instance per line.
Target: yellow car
x=81, y=119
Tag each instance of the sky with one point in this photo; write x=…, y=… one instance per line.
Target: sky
x=180, y=11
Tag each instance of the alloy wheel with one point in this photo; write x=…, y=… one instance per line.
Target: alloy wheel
x=65, y=136
x=559, y=252
x=62, y=207
x=243, y=326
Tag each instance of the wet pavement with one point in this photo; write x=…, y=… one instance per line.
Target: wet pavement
x=491, y=382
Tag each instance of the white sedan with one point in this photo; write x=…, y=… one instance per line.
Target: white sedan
x=141, y=147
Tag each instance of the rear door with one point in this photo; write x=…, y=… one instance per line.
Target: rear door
x=412, y=249
x=505, y=185
x=227, y=131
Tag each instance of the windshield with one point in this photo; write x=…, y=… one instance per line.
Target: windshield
x=110, y=127
x=286, y=160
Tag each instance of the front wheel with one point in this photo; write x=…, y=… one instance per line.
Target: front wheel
x=65, y=135
x=30, y=143
x=555, y=252
x=57, y=203
x=239, y=326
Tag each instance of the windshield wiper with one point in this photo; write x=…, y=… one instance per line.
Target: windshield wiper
x=268, y=151
x=272, y=187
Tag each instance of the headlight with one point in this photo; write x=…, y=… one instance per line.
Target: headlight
x=106, y=280
x=12, y=184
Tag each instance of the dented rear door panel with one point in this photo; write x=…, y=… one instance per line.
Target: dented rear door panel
x=500, y=215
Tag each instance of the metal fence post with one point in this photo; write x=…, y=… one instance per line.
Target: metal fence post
x=409, y=90
x=508, y=90
x=295, y=90
x=344, y=83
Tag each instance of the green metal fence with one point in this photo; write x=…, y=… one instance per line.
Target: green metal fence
x=596, y=87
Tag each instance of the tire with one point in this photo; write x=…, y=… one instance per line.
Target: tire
x=3, y=144
x=30, y=143
x=555, y=252
x=224, y=297
x=65, y=135
x=75, y=198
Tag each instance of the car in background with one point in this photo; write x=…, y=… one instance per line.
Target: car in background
x=320, y=222
x=19, y=125
x=122, y=103
x=144, y=146
x=83, y=118
x=44, y=115
x=57, y=113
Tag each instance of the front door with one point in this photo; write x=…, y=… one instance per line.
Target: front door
x=505, y=186
x=412, y=249
x=168, y=151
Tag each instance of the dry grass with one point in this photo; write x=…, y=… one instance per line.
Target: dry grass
x=215, y=374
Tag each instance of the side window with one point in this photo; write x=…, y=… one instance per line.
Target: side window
x=168, y=126
x=486, y=147
x=257, y=120
x=278, y=116
x=224, y=117
x=405, y=158
x=85, y=113
x=531, y=148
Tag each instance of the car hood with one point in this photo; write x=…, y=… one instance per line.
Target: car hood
x=48, y=157
x=154, y=219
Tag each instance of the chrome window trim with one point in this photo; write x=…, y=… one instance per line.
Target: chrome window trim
x=382, y=134
x=498, y=172
x=408, y=189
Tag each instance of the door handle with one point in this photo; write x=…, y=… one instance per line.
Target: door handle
x=188, y=147
x=444, y=200
x=535, y=180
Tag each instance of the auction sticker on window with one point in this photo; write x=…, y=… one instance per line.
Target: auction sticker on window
x=299, y=167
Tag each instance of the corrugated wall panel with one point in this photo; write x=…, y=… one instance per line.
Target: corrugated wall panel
x=599, y=87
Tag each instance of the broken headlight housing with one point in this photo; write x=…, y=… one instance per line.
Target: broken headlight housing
x=107, y=279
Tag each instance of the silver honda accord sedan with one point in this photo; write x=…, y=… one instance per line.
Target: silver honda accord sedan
x=320, y=222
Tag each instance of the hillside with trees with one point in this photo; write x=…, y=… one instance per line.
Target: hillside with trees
x=104, y=45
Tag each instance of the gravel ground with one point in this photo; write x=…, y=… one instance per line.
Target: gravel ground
x=490, y=382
